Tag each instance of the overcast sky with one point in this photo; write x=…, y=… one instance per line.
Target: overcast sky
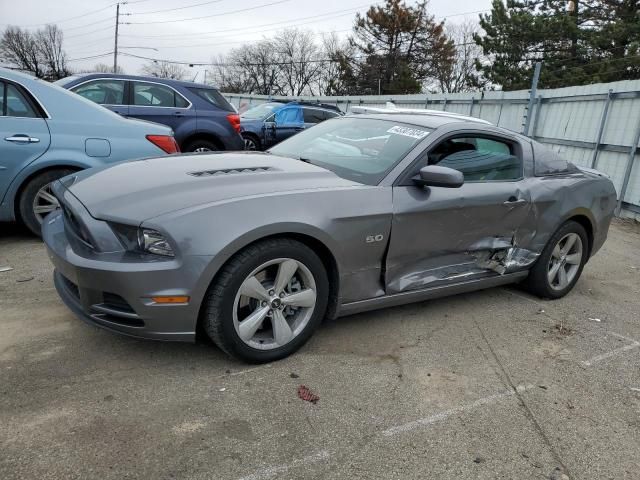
x=177, y=33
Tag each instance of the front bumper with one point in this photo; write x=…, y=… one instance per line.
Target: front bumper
x=113, y=290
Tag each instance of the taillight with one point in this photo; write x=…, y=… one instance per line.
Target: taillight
x=165, y=142
x=234, y=120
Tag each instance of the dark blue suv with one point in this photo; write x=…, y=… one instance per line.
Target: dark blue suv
x=269, y=123
x=201, y=118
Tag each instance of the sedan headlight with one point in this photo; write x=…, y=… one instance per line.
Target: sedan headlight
x=152, y=241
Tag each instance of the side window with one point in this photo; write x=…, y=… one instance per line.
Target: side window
x=156, y=95
x=479, y=159
x=313, y=115
x=181, y=102
x=291, y=115
x=104, y=92
x=14, y=103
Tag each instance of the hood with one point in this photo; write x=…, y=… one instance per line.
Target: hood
x=142, y=189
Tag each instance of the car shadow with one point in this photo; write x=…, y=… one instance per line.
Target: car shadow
x=12, y=231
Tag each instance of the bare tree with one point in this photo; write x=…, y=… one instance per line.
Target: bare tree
x=230, y=77
x=461, y=75
x=104, y=68
x=49, y=45
x=337, y=69
x=19, y=49
x=299, y=60
x=252, y=68
x=40, y=53
x=162, y=69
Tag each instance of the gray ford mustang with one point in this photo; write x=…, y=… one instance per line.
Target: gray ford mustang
x=357, y=213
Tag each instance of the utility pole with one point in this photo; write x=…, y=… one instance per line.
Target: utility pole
x=115, y=47
x=532, y=98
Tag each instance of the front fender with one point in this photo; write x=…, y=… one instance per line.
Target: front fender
x=64, y=159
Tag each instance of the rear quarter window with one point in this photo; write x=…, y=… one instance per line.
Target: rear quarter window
x=213, y=97
x=547, y=162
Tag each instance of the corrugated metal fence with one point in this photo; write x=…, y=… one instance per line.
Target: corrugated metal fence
x=595, y=126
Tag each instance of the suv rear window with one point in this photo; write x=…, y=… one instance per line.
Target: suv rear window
x=214, y=97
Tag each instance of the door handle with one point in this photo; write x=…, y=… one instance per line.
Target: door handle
x=178, y=114
x=22, y=139
x=298, y=129
x=515, y=201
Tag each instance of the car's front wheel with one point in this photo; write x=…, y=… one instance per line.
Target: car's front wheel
x=267, y=301
x=37, y=200
x=559, y=266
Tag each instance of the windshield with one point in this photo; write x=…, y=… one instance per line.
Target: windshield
x=358, y=149
x=261, y=111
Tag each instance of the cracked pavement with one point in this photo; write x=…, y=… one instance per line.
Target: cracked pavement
x=491, y=384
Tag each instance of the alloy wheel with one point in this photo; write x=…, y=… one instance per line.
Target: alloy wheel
x=44, y=202
x=565, y=261
x=202, y=150
x=250, y=144
x=274, y=303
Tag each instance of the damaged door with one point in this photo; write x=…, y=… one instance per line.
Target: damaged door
x=447, y=235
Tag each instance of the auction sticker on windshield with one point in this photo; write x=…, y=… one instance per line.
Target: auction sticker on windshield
x=408, y=132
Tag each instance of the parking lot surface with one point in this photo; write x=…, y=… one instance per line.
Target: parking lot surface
x=492, y=384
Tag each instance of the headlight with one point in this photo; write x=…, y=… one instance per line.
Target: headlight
x=152, y=241
x=142, y=239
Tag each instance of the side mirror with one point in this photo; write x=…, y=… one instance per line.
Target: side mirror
x=435, y=176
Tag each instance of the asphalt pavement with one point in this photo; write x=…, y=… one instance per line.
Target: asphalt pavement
x=491, y=384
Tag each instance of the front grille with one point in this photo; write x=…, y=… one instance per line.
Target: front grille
x=230, y=171
x=116, y=302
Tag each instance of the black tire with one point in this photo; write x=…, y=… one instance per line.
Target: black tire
x=202, y=145
x=217, y=319
x=251, y=139
x=28, y=195
x=538, y=281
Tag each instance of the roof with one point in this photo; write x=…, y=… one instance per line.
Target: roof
x=149, y=78
x=392, y=109
x=423, y=120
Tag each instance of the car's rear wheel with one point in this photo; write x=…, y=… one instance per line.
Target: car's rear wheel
x=37, y=200
x=201, y=146
x=267, y=301
x=251, y=143
x=561, y=262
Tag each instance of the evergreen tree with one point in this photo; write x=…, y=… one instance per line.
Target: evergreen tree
x=398, y=47
x=579, y=41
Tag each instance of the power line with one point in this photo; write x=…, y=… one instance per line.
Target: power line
x=68, y=19
x=110, y=19
x=342, y=12
x=177, y=8
x=277, y=2
x=90, y=57
x=88, y=33
x=253, y=32
x=92, y=43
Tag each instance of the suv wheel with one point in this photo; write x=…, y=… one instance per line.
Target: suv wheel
x=37, y=200
x=201, y=146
